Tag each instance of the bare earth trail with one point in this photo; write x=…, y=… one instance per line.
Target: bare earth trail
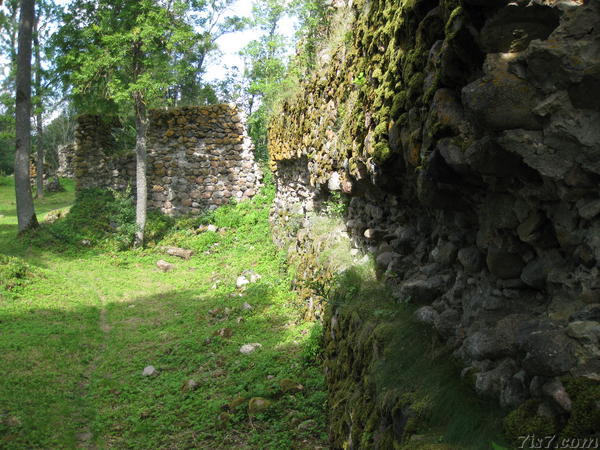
x=75, y=341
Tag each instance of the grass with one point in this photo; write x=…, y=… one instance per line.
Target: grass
x=84, y=320
x=415, y=372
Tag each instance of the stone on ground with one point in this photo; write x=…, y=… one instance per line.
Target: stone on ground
x=150, y=371
x=249, y=348
x=164, y=265
x=179, y=252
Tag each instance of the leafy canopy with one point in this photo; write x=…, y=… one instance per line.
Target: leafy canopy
x=111, y=52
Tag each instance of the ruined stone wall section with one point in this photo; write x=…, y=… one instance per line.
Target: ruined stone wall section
x=466, y=139
x=198, y=158
x=93, y=164
x=65, y=153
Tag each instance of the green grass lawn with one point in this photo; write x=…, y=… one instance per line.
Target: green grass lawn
x=78, y=329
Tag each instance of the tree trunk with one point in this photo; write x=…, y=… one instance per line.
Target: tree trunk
x=141, y=125
x=39, y=162
x=25, y=210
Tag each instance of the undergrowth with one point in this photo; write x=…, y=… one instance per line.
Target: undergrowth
x=75, y=341
x=14, y=274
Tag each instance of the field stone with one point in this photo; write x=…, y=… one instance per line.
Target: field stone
x=190, y=385
x=149, y=371
x=589, y=210
x=164, y=265
x=258, y=404
x=251, y=276
x=471, y=259
x=503, y=264
x=246, y=306
x=241, y=281
x=179, y=252
x=288, y=385
x=246, y=349
x=556, y=391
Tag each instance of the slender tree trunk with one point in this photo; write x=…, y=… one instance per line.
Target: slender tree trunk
x=39, y=162
x=141, y=125
x=25, y=210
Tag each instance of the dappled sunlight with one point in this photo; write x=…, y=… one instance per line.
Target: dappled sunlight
x=80, y=333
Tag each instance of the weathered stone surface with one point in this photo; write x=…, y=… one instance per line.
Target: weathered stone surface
x=472, y=154
x=250, y=348
x=179, y=252
x=549, y=353
x=164, y=265
x=501, y=101
x=513, y=27
x=504, y=264
x=471, y=259
x=187, y=170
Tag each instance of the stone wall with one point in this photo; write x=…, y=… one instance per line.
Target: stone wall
x=97, y=162
x=65, y=153
x=198, y=158
x=464, y=137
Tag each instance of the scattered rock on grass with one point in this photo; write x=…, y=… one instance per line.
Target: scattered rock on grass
x=288, y=385
x=247, y=277
x=249, y=348
x=53, y=216
x=258, y=404
x=86, y=436
x=224, y=333
x=190, y=385
x=246, y=306
x=202, y=228
x=86, y=242
x=179, y=252
x=150, y=371
x=241, y=281
x=251, y=275
x=237, y=401
x=164, y=265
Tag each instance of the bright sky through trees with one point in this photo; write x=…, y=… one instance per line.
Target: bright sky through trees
x=231, y=44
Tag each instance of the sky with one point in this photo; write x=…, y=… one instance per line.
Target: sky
x=231, y=44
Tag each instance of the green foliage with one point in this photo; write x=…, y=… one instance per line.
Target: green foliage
x=313, y=349
x=360, y=80
x=14, y=274
x=336, y=205
x=524, y=421
x=98, y=218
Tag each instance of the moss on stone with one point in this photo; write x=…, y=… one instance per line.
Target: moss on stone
x=584, y=419
x=525, y=421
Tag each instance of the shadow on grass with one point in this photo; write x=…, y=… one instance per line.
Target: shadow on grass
x=62, y=374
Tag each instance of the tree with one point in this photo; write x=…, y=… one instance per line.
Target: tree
x=25, y=210
x=117, y=58
x=265, y=69
x=9, y=27
x=39, y=161
x=211, y=21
